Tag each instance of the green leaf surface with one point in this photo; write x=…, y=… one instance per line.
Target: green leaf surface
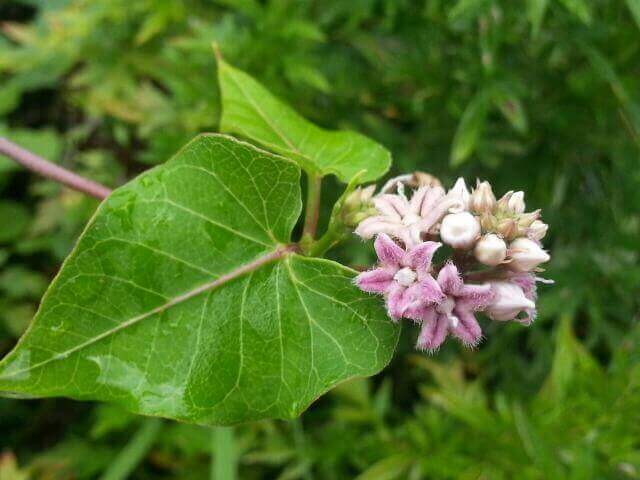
x=250, y=110
x=184, y=299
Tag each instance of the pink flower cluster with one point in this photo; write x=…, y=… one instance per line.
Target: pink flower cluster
x=495, y=244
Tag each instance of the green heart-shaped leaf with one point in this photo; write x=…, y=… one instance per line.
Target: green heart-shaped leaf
x=184, y=299
x=250, y=110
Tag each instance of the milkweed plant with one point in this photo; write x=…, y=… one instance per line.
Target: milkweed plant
x=197, y=292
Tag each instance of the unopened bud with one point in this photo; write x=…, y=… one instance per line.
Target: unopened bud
x=359, y=196
x=526, y=219
x=358, y=205
x=354, y=219
x=508, y=301
x=516, y=203
x=460, y=230
x=507, y=228
x=482, y=199
x=461, y=193
x=537, y=230
x=491, y=250
x=526, y=255
x=503, y=203
x=488, y=222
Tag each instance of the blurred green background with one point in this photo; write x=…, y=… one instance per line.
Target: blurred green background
x=541, y=96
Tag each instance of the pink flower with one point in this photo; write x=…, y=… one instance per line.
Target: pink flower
x=514, y=295
x=406, y=219
x=403, y=276
x=455, y=313
x=509, y=300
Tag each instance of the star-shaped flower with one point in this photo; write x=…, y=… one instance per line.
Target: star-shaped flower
x=406, y=219
x=403, y=277
x=454, y=314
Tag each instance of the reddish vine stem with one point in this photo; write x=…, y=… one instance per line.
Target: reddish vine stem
x=312, y=214
x=50, y=170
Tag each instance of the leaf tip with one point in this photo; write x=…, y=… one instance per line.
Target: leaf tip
x=216, y=51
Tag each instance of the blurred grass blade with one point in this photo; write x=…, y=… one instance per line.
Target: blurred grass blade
x=536, y=10
x=606, y=71
x=467, y=9
x=634, y=7
x=224, y=458
x=389, y=468
x=470, y=129
x=580, y=9
x=535, y=446
x=571, y=363
x=511, y=108
x=134, y=452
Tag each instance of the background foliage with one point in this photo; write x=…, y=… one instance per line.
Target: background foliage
x=542, y=96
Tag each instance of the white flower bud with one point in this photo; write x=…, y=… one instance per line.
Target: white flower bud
x=460, y=230
x=537, y=230
x=508, y=301
x=461, y=193
x=526, y=255
x=482, y=199
x=516, y=203
x=491, y=250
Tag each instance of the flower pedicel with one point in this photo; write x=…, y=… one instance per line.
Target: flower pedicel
x=495, y=253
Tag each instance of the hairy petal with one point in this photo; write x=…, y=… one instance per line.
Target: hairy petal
x=475, y=297
x=431, y=200
x=439, y=210
x=409, y=235
x=421, y=295
x=450, y=280
x=467, y=330
x=393, y=206
x=389, y=252
x=430, y=290
x=419, y=257
x=375, y=225
x=396, y=301
x=433, y=331
x=527, y=282
x=417, y=200
x=375, y=281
